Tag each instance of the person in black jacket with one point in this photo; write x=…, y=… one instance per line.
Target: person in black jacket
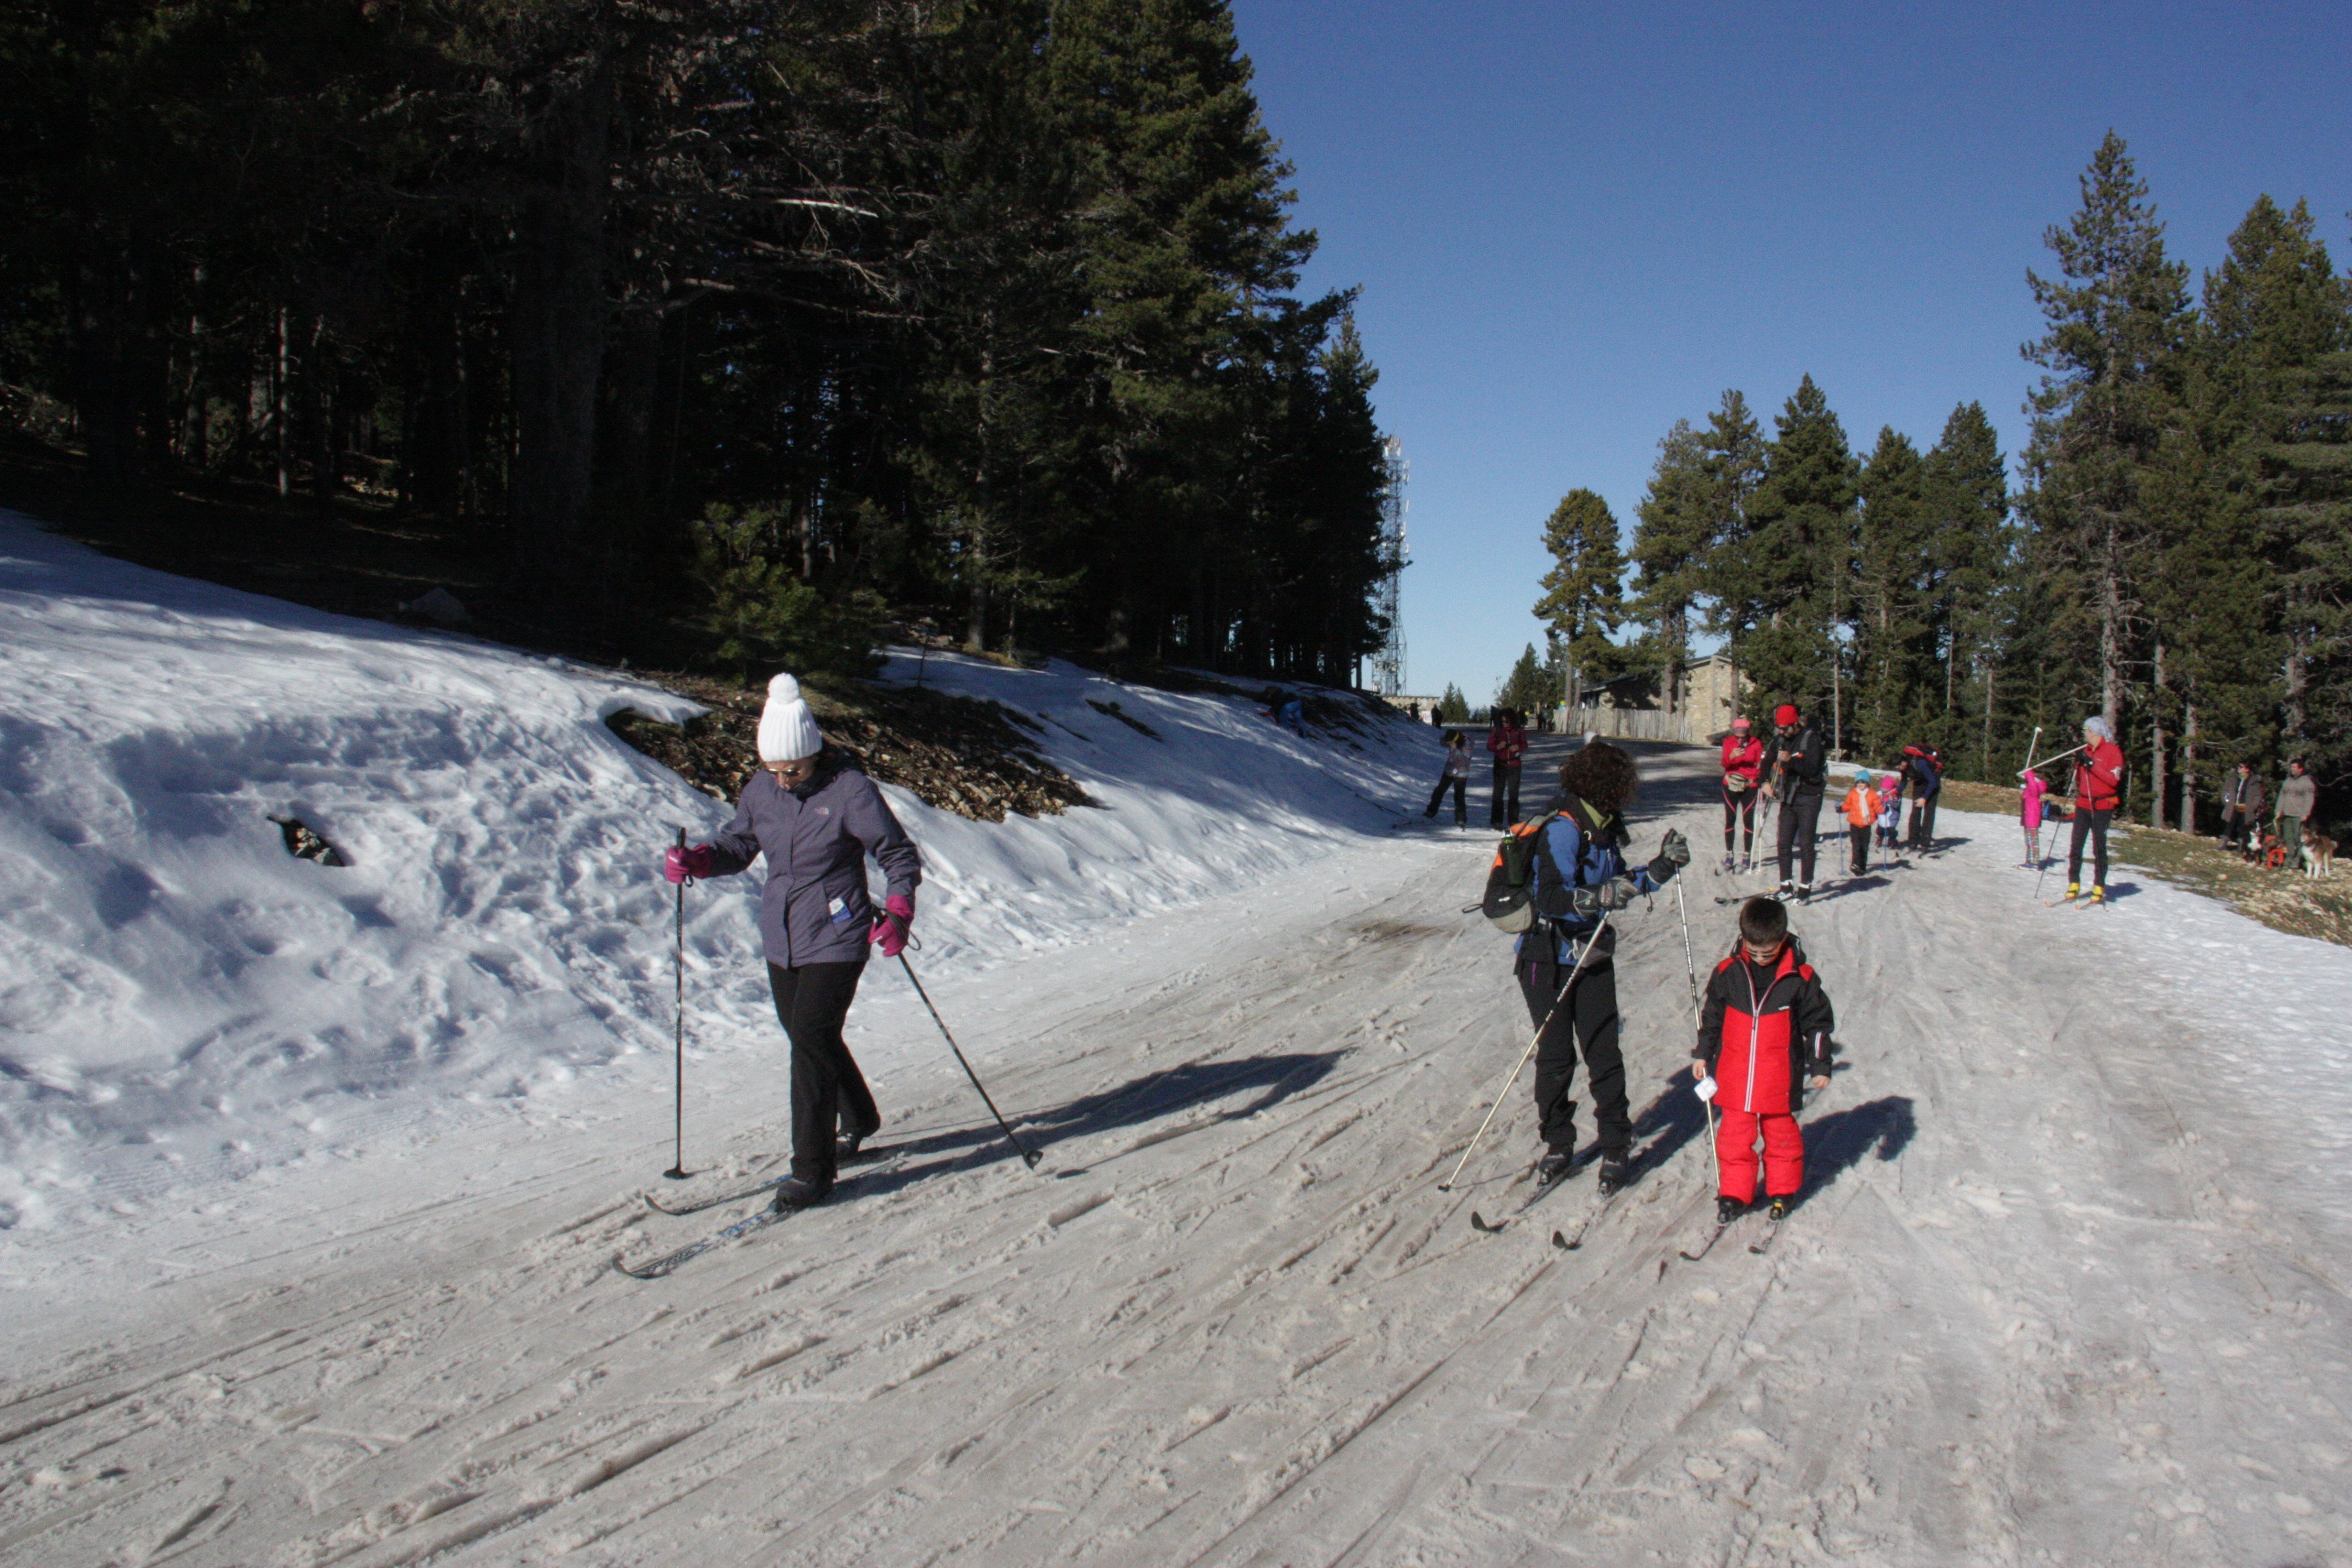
x=1796, y=770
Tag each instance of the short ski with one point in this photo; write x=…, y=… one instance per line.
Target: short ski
x=1484, y=1227
x=669, y=1261
x=1713, y=1236
x=1573, y=1239
x=874, y=1152
x=1763, y=1244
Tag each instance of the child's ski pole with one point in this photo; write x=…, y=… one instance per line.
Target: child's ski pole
x=1516, y=1067
x=676, y=1172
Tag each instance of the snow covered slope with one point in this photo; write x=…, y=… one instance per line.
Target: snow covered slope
x=182, y=1001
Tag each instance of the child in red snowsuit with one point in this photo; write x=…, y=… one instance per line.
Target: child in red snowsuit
x=1764, y=1037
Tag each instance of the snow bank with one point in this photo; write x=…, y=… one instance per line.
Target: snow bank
x=183, y=1001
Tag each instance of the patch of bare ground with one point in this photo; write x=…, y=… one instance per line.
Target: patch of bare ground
x=2282, y=901
x=975, y=758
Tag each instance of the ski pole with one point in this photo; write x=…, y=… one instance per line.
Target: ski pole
x=1028, y=1156
x=1447, y=1185
x=1690, y=965
x=677, y=1173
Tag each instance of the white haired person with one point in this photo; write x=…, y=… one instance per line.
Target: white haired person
x=815, y=816
x=2098, y=791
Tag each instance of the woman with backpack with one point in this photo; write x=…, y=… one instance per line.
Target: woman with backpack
x=1576, y=874
x=1456, y=777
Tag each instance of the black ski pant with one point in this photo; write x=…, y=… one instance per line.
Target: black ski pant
x=1585, y=1022
x=1740, y=809
x=1461, y=810
x=1861, y=836
x=1505, y=807
x=2093, y=825
x=1801, y=825
x=828, y=1091
x=1923, y=822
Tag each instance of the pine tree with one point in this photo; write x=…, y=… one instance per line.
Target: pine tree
x=1789, y=576
x=1584, y=595
x=1674, y=526
x=1893, y=638
x=2116, y=315
x=1453, y=707
x=1965, y=491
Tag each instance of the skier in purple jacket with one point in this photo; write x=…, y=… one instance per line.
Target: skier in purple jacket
x=816, y=817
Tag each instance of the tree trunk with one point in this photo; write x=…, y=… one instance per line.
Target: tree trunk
x=280, y=392
x=2188, y=767
x=318, y=414
x=558, y=336
x=2156, y=746
x=2111, y=632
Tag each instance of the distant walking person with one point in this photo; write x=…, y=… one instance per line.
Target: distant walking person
x=1743, y=770
x=1926, y=782
x=2242, y=809
x=1862, y=803
x=1456, y=778
x=2029, y=813
x=1796, y=772
x=2098, y=791
x=2298, y=797
x=1509, y=742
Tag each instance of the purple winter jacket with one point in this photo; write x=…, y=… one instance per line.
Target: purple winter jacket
x=817, y=835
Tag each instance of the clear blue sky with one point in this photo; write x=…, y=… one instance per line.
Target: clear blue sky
x=1574, y=224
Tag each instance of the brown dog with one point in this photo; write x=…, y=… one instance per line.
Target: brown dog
x=2318, y=854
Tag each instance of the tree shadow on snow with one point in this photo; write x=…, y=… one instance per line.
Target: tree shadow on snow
x=1838, y=1142
x=1253, y=1083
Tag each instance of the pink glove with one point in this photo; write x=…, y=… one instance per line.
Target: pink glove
x=889, y=933
x=679, y=864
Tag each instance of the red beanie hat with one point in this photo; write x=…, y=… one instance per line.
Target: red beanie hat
x=1785, y=714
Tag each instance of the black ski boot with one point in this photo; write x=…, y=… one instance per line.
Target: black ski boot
x=1778, y=1211
x=1554, y=1166
x=793, y=1194
x=1727, y=1209
x=1616, y=1165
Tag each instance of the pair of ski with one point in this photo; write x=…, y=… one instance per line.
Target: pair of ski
x=2079, y=901
x=1567, y=1241
x=759, y=1219
x=1760, y=1247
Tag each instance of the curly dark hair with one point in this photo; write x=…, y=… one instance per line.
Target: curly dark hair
x=1601, y=775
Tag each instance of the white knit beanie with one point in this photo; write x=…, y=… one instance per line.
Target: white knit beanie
x=2096, y=725
x=787, y=729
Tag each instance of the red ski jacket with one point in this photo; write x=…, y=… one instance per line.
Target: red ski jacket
x=2099, y=778
x=1764, y=1030
x=1745, y=758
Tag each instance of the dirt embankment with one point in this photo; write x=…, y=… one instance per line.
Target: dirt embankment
x=974, y=758
x=2283, y=900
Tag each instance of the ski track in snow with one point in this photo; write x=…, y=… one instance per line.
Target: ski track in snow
x=2068, y=1284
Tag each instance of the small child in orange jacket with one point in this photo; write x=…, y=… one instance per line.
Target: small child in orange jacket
x=1764, y=1037
x=1862, y=805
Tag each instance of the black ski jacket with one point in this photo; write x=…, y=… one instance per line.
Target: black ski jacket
x=1797, y=764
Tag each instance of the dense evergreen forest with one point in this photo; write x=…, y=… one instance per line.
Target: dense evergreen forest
x=736, y=325
x=2178, y=556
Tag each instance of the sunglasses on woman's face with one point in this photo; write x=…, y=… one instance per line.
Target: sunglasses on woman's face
x=791, y=772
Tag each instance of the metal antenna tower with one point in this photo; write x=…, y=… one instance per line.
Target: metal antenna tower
x=1388, y=664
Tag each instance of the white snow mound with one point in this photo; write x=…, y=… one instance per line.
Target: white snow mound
x=184, y=1001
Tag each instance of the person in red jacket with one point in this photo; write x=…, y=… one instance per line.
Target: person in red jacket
x=1743, y=779
x=1764, y=1038
x=1507, y=740
x=2098, y=791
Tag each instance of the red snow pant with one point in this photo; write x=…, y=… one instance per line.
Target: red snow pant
x=1735, y=1154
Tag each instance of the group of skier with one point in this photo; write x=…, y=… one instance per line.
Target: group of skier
x=1791, y=768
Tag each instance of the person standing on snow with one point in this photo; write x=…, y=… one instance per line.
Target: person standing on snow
x=1743, y=770
x=1927, y=782
x=1764, y=1037
x=1580, y=873
x=1796, y=771
x=1862, y=806
x=2298, y=797
x=815, y=817
x=1890, y=812
x=2030, y=791
x=2242, y=809
x=2098, y=791
x=1507, y=740
x=1456, y=778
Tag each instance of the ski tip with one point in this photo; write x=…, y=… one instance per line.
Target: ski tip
x=1564, y=1244
x=1033, y=1159
x=1478, y=1222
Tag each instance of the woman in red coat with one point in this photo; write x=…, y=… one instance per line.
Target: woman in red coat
x=2098, y=791
x=1743, y=769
